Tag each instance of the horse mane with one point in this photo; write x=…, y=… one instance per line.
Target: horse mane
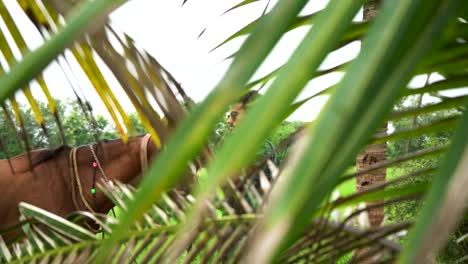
x=43, y=155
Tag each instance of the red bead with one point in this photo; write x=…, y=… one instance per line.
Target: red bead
x=94, y=164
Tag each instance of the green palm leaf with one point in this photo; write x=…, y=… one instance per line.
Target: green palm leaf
x=237, y=212
x=219, y=237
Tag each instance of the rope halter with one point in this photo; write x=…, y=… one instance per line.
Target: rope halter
x=75, y=177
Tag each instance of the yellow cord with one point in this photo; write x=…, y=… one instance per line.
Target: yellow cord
x=78, y=182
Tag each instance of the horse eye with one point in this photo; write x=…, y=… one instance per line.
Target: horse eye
x=233, y=114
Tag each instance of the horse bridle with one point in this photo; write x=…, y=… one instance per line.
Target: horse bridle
x=144, y=152
x=74, y=174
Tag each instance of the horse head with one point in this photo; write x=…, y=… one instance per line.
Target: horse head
x=107, y=161
x=65, y=179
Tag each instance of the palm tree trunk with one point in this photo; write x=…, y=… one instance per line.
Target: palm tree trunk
x=372, y=153
x=371, y=8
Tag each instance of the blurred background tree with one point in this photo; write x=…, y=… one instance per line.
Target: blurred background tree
x=78, y=129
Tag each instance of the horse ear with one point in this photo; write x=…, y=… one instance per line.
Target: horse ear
x=63, y=148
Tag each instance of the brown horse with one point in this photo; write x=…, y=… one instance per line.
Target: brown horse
x=63, y=180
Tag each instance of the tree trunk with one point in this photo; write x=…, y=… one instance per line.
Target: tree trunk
x=369, y=156
x=371, y=8
x=372, y=153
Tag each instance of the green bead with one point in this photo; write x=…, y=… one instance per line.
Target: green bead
x=93, y=191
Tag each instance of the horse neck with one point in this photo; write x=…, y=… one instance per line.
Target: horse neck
x=120, y=162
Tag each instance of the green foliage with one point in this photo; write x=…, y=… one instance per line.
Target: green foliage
x=12, y=136
x=77, y=128
x=285, y=129
x=220, y=131
x=408, y=210
x=80, y=131
x=403, y=146
x=397, y=148
x=138, y=128
x=407, y=38
x=345, y=259
x=281, y=133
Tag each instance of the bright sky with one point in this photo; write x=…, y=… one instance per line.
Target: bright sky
x=170, y=32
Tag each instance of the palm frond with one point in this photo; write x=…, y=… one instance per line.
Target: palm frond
x=257, y=212
x=221, y=236
x=454, y=166
x=151, y=78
